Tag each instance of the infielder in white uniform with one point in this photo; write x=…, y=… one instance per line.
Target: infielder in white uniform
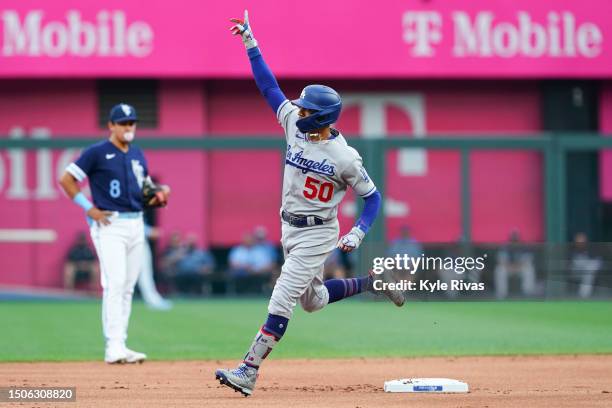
x=117, y=171
x=319, y=167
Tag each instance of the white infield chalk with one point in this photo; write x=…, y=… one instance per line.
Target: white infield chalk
x=421, y=385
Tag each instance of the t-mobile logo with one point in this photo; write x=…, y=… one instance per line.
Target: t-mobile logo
x=109, y=34
x=422, y=29
x=486, y=35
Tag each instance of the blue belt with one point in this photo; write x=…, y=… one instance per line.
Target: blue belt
x=301, y=221
x=136, y=214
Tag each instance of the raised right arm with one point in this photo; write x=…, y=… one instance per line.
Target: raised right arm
x=264, y=78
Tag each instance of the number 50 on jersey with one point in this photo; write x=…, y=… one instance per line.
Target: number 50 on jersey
x=316, y=189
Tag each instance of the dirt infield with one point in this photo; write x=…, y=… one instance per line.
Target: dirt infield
x=551, y=381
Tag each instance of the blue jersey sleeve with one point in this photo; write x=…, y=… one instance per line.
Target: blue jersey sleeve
x=267, y=84
x=83, y=166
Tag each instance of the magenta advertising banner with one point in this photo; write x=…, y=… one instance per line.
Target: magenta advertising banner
x=392, y=38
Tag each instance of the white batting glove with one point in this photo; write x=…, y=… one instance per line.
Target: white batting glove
x=243, y=28
x=352, y=240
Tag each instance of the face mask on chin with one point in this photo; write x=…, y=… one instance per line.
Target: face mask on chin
x=128, y=136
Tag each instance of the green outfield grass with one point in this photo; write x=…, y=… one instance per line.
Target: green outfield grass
x=222, y=329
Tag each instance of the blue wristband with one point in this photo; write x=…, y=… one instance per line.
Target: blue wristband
x=82, y=201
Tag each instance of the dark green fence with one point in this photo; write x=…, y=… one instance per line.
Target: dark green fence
x=554, y=150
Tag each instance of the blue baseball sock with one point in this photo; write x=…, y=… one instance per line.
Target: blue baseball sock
x=276, y=325
x=342, y=288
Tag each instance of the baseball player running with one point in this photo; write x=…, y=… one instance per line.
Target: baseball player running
x=117, y=171
x=319, y=166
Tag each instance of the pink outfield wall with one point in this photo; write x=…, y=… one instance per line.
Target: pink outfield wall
x=393, y=38
x=605, y=126
x=210, y=189
x=68, y=108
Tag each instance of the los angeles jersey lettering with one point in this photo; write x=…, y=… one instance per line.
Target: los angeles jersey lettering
x=317, y=174
x=115, y=177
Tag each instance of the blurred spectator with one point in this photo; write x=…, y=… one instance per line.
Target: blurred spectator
x=239, y=257
x=251, y=265
x=266, y=258
x=514, y=259
x=584, y=265
x=193, y=268
x=454, y=271
x=80, y=266
x=335, y=266
x=405, y=245
x=266, y=252
x=172, y=254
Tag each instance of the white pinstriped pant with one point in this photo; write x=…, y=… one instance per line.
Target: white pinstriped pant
x=119, y=247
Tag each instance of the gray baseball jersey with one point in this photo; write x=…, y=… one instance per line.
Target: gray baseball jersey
x=315, y=181
x=317, y=174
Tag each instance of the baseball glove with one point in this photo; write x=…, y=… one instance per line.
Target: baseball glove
x=153, y=195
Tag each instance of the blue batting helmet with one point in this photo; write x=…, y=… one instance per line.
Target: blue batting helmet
x=326, y=104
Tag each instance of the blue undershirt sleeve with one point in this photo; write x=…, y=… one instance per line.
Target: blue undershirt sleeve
x=370, y=211
x=264, y=78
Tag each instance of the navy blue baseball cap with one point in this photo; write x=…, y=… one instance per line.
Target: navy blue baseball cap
x=122, y=113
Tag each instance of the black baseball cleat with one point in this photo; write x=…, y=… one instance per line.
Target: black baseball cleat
x=242, y=379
